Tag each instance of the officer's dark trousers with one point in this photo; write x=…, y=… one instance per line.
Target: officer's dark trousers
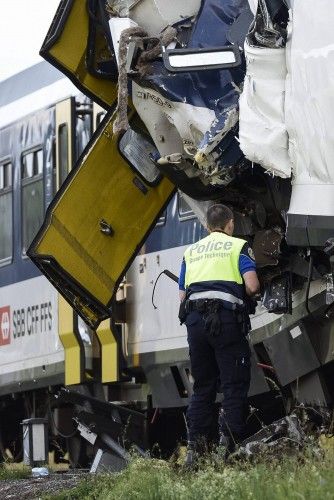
x=219, y=363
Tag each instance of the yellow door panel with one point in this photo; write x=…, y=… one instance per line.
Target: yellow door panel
x=109, y=353
x=73, y=349
x=65, y=47
x=96, y=224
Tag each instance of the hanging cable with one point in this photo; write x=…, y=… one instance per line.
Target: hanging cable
x=266, y=367
x=170, y=275
x=65, y=436
x=309, y=278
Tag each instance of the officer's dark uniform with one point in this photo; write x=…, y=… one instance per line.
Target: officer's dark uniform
x=217, y=324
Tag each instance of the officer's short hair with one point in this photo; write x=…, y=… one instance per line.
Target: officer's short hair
x=218, y=216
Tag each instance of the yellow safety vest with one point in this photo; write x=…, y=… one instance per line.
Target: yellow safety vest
x=214, y=258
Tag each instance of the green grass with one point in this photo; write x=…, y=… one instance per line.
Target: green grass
x=305, y=477
x=14, y=471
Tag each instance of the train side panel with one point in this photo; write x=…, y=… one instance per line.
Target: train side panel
x=31, y=351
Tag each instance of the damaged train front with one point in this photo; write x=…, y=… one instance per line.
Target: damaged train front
x=196, y=93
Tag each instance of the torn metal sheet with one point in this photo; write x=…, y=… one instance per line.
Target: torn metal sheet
x=286, y=110
x=210, y=156
x=154, y=15
x=281, y=436
x=310, y=123
x=262, y=131
x=193, y=113
x=277, y=296
x=269, y=26
x=266, y=247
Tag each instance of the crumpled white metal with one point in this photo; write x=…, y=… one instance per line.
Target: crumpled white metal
x=287, y=107
x=309, y=107
x=262, y=130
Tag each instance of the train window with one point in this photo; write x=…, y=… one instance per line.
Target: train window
x=63, y=152
x=32, y=195
x=138, y=151
x=83, y=131
x=6, y=213
x=184, y=209
x=32, y=164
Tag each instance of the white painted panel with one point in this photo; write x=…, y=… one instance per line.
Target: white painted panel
x=310, y=106
x=32, y=309
x=156, y=330
x=295, y=332
x=38, y=438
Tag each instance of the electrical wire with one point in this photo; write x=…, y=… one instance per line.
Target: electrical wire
x=266, y=367
x=170, y=275
x=65, y=436
x=156, y=411
x=309, y=278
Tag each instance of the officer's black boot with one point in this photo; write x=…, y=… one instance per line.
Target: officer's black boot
x=196, y=448
x=226, y=446
x=191, y=460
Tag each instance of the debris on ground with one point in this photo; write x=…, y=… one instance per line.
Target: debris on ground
x=34, y=488
x=302, y=442
x=282, y=436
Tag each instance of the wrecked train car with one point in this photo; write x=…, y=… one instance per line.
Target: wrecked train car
x=223, y=102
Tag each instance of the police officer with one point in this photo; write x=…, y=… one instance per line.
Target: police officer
x=217, y=275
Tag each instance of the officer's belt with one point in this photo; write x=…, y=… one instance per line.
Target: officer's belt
x=216, y=294
x=210, y=309
x=203, y=305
